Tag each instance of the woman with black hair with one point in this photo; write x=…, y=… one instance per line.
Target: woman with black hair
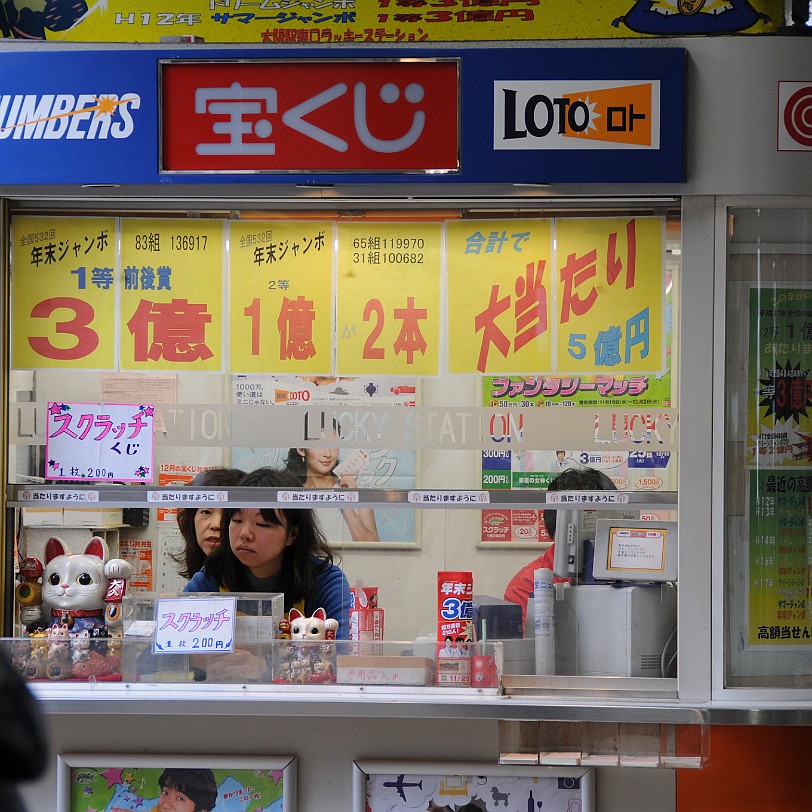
x=277, y=550
x=520, y=587
x=200, y=527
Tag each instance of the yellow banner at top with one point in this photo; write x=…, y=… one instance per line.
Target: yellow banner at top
x=386, y=21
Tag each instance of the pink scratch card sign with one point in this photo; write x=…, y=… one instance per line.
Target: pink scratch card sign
x=100, y=441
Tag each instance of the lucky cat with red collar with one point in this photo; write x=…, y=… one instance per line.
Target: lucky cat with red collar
x=81, y=590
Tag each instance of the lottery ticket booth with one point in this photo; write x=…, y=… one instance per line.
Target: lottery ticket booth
x=464, y=270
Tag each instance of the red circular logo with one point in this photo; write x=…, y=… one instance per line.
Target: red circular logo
x=798, y=116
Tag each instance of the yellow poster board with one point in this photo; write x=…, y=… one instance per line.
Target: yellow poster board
x=388, y=302
x=569, y=297
x=63, y=292
x=610, y=295
x=171, y=314
x=281, y=297
x=499, y=296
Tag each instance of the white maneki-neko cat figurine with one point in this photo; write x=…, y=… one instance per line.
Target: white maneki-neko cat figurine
x=74, y=613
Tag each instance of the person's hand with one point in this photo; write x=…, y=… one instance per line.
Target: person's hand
x=348, y=481
x=239, y=666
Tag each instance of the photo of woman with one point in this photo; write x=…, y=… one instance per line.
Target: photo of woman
x=319, y=468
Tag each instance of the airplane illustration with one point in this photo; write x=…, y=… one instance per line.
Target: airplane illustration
x=400, y=784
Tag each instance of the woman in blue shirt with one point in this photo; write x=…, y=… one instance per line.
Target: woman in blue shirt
x=277, y=550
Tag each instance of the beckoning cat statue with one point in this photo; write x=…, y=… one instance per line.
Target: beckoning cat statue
x=316, y=627
x=307, y=653
x=82, y=591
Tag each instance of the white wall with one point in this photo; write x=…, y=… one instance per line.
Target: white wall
x=326, y=749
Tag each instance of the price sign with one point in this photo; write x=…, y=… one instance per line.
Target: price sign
x=194, y=625
x=100, y=441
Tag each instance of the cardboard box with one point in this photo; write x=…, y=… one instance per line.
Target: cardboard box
x=383, y=670
x=93, y=517
x=42, y=517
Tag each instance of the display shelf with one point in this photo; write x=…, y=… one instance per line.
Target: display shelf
x=392, y=703
x=19, y=496
x=34, y=539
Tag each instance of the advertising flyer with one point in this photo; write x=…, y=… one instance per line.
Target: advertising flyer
x=780, y=557
x=534, y=470
x=574, y=297
x=779, y=420
x=139, y=553
x=393, y=793
x=494, y=297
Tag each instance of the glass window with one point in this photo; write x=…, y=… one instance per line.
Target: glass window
x=424, y=378
x=768, y=470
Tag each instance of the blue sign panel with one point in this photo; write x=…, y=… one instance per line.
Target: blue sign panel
x=525, y=115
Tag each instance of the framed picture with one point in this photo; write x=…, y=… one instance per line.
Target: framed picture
x=376, y=528
x=137, y=783
x=385, y=786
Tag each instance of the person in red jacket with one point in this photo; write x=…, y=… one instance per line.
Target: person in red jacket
x=520, y=588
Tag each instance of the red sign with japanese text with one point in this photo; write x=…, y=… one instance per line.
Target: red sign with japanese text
x=455, y=596
x=317, y=116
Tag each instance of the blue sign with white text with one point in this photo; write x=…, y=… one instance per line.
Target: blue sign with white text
x=525, y=115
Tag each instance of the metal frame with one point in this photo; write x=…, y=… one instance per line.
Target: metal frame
x=764, y=698
x=346, y=702
x=700, y=684
x=246, y=764
x=363, y=769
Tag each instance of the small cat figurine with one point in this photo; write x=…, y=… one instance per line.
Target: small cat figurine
x=316, y=627
x=309, y=655
x=75, y=587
